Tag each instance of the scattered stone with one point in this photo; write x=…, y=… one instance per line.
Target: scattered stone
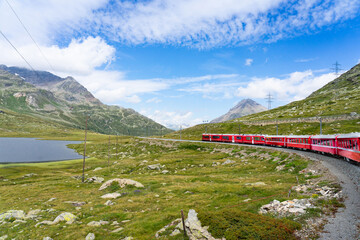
x=173, y=223
x=97, y=169
x=122, y=183
x=76, y=204
x=154, y=166
x=30, y=175
x=69, y=218
x=165, y=171
x=90, y=236
x=33, y=214
x=228, y=162
x=125, y=221
x=286, y=208
x=111, y=195
x=256, y=184
x=279, y=168
x=175, y=232
x=95, y=180
x=12, y=214
x=51, y=199
x=128, y=238
x=188, y=192
x=246, y=200
x=118, y=230
x=47, y=238
x=108, y=203
x=201, y=165
x=214, y=164
x=97, y=223
x=4, y=237
x=115, y=223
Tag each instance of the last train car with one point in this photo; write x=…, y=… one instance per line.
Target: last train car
x=348, y=146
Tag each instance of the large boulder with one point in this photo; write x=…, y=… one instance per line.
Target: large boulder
x=122, y=183
x=67, y=217
x=12, y=214
x=111, y=195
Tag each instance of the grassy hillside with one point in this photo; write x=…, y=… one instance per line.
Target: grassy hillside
x=24, y=98
x=340, y=96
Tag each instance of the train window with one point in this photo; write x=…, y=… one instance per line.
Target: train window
x=262, y=139
x=216, y=137
x=257, y=138
x=226, y=137
x=248, y=138
x=206, y=136
x=238, y=138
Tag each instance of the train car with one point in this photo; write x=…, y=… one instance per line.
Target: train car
x=324, y=144
x=206, y=137
x=238, y=138
x=254, y=139
x=299, y=141
x=275, y=140
x=215, y=138
x=227, y=138
x=348, y=146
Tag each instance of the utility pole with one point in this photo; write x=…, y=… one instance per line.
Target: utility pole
x=239, y=129
x=83, y=173
x=320, y=125
x=277, y=129
x=269, y=99
x=109, y=153
x=336, y=68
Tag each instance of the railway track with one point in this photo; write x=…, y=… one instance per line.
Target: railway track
x=346, y=223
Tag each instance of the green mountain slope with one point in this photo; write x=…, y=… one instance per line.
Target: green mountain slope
x=68, y=103
x=340, y=96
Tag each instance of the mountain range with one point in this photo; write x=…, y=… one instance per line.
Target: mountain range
x=243, y=108
x=64, y=100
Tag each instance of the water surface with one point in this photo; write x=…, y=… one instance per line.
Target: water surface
x=25, y=150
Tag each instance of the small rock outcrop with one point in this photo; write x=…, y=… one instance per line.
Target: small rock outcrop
x=122, y=183
x=97, y=223
x=193, y=228
x=12, y=214
x=286, y=208
x=67, y=217
x=111, y=195
x=154, y=166
x=90, y=236
x=95, y=180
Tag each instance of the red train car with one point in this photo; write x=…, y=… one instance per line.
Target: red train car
x=324, y=143
x=348, y=146
x=206, y=137
x=227, y=138
x=238, y=138
x=254, y=139
x=276, y=140
x=300, y=141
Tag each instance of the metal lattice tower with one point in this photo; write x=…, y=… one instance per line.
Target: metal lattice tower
x=336, y=68
x=269, y=99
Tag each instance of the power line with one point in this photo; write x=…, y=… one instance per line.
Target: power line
x=269, y=99
x=30, y=35
x=17, y=51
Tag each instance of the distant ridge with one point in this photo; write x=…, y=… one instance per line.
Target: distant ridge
x=65, y=101
x=243, y=108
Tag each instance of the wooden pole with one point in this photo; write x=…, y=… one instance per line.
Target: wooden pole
x=109, y=153
x=83, y=173
x=183, y=221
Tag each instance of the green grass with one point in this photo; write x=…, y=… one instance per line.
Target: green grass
x=192, y=183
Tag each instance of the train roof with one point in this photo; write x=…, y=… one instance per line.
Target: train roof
x=349, y=135
x=298, y=136
x=277, y=136
x=324, y=136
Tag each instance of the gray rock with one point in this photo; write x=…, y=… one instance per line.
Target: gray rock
x=47, y=238
x=118, y=230
x=228, y=162
x=128, y=238
x=108, y=203
x=76, y=204
x=194, y=229
x=67, y=217
x=4, y=237
x=122, y=183
x=165, y=171
x=175, y=232
x=90, y=236
x=111, y=195
x=97, y=169
x=95, y=180
x=97, y=223
x=154, y=166
x=17, y=214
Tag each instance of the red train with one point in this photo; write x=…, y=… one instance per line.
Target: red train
x=344, y=145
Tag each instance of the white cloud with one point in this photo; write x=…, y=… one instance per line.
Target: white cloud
x=304, y=60
x=248, y=61
x=214, y=90
x=173, y=120
x=295, y=86
x=209, y=23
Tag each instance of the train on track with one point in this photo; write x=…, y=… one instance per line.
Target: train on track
x=342, y=145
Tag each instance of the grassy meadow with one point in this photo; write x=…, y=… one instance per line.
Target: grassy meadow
x=196, y=179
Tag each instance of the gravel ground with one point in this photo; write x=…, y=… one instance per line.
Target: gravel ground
x=346, y=223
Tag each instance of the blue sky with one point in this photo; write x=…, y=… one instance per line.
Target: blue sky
x=185, y=62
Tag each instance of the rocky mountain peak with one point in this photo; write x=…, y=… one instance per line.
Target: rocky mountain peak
x=243, y=108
